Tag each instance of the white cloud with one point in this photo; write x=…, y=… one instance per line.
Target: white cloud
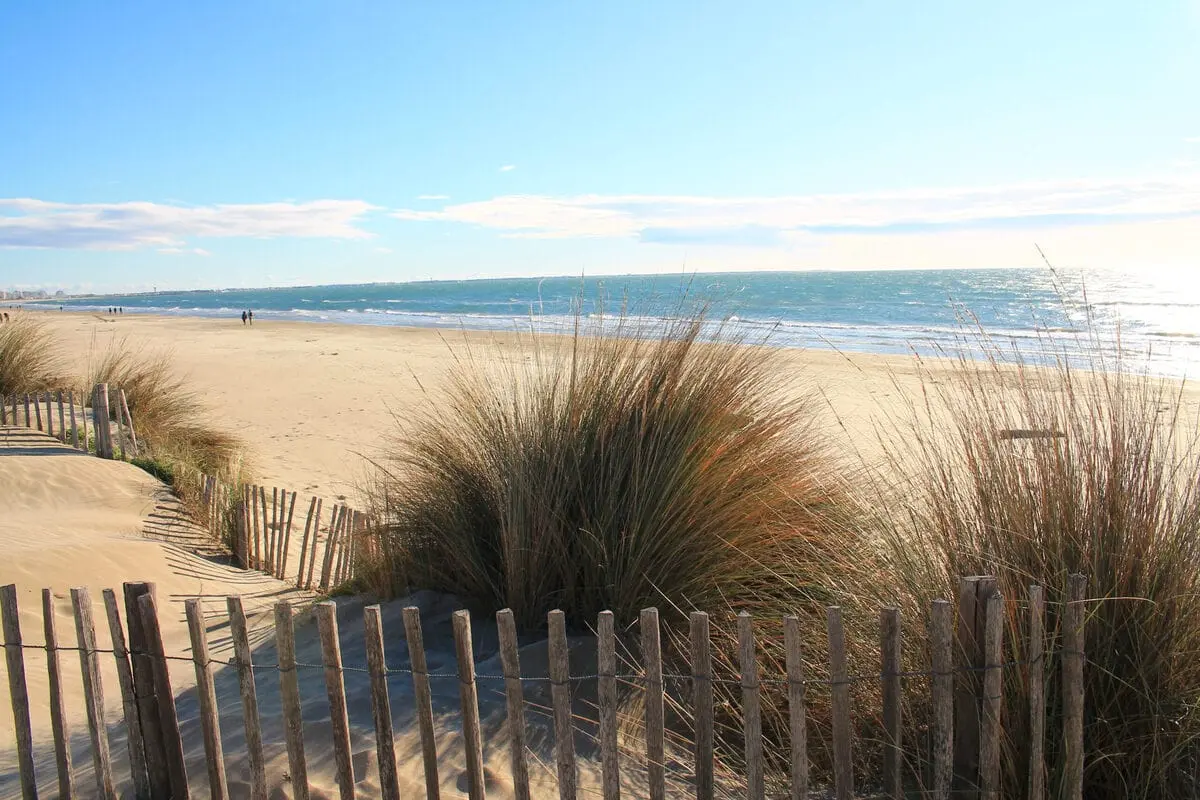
x=682, y=219
x=200, y=251
x=26, y=222
x=433, y=197
x=508, y=167
x=383, y=249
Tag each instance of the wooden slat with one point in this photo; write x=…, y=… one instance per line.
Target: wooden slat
x=751, y=708
x=74, y=421
x=266, y=564
x=468, y=695
x=14, y=658
x=312, y=507
x=27, y=415
x=702, y=704
x=990, y=733
x=893, y=746
x=652, y=658
x=210, y=725
x=966, y=694
x=37, y=411
x=330, y=544
x=941, y=638
x=273, y=533
x=243, y=657
x=312, y=556
x=560, y=696
x=256, y=546
x=381, y=706
x=142, y=665
x=93, y=692
x=164, y=696
x=335, y=689
x=510, y=662
x=289, y=692
x=287, y=537
x=133, y=725
x=843, y=761
x=58, y=711
x=1037, y=694
x=343, y=539
x=606, y=691
x=49, y=414
x=133, y=441
x=62, y=417
x=1072, y=687
x=797, y=713
x=422, y=698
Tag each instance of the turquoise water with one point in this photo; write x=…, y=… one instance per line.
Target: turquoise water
x=885, y=311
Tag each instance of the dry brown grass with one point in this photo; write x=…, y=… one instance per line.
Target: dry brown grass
x=30, y=360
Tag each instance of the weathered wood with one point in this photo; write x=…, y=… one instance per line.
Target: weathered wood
x=273, y=533
x=210, y=725
x=702, y=704
x=606, y=691
x=422, y=697
x=165, y=696
x=28, y=417
x=1037, y=694
x=289, y=692
x=330, y=546
x=287, y=537
x=655, y=722
x=49, y=414
x=510, y=663
x=941, y=633
x=37, y=411
x=4, y=410
x=58, y=711
x=256, y=555
x=560, y=696
x=973, y=595
x=62, y=417
x=132, y=433
x=381, y=706
x=93, y=692
x=993, y=678
x=335, y=689
x=1072, y=688
x=74, y=421
x=145, y=687
x=843, y=762
x=751, y=708
x=267, y=544
x=468, y=695
x=312, y=507
x=100, y=419
x=797, y=714
x=243, y=657
x=339, y=569
x=133, y=725
x=312, y=556
x=889, y=657
x=122, y=433
x=14, y=658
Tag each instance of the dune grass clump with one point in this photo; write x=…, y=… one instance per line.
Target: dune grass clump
x=1034, y=465
x=616, y=471
x=29, y=357
x=170, y=420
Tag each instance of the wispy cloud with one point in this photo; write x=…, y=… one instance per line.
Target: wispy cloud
x=26, y=222
x=383, y=249
x=692, y=218
x=433, y=197
x=508, y=167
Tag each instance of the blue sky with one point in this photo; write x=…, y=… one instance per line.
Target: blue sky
x=247, y=144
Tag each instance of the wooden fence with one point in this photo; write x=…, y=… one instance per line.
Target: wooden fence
x=965, y=669
x=112, y=432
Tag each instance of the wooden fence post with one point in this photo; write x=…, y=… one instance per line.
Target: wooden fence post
x=245, y=671
x=1072, y=686
x=702, y=703
x=889, y=651
x=14, y=658
x=316, y=535
x=93, y=691
x=381, y=706
x=133, y=726
x=142, y=667
x=797, y=715
x=210, y=722
x=335, y=689
x=287, y=537
x=1037, y=694
x=3, y=410
x=993, y=680
x=50, y=415
x=941, y=635
x=74, y=421
x=652, y=661
x=273, y=532
x=37, y=411
x=514, y=695
x=312, y=507
x=28, y=417
x=560, y=696
x=289, y=690
x=469, y=699
x=422, y=697
x=102, y=424
x=751, y=708
x=974, y=592
x=62, y=418
x=58, y=712
x=133, y=441
x=164, y=696
x=606, y=689
x=843, y=764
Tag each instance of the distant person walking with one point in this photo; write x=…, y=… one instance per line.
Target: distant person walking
x=250, y=314
x=243, y=318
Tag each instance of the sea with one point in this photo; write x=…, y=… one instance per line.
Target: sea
x=1152, y=318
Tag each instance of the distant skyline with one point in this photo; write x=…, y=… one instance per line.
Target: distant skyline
x=231, y=145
